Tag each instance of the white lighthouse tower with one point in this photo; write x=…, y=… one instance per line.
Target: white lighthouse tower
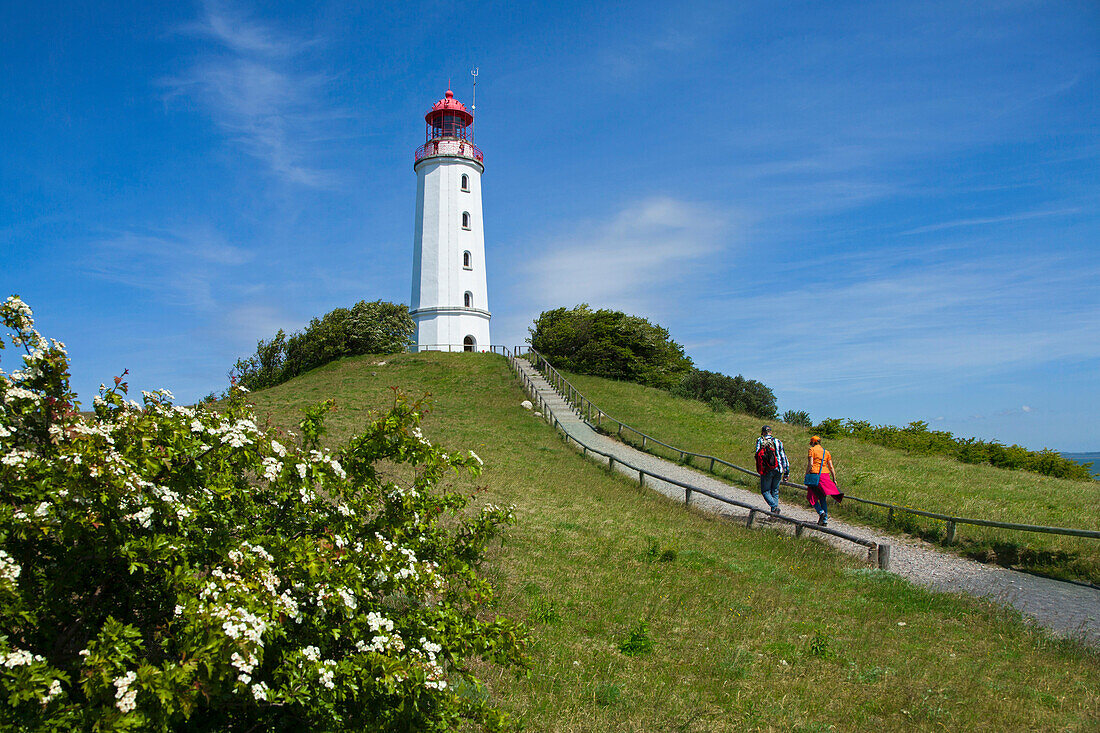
x=449, y=295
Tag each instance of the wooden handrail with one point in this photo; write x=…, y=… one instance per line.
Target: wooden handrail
x=878, y=554
x=686, y=454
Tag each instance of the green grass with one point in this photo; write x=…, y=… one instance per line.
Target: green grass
x=734, y=629
x=869, y=471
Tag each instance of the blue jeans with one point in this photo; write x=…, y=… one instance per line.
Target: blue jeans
x=820, y=504
x=769, y=487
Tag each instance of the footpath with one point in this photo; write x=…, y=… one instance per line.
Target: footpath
x=1067, y=609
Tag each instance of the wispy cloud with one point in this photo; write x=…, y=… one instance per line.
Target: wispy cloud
x=254, y=92
x=980, y=221
x=624, y=261
x=186, y=267
x=884, y=334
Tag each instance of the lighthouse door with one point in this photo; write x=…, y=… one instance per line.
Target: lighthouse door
x=468, y=343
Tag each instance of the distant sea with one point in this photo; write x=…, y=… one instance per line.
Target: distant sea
x=1093, y=458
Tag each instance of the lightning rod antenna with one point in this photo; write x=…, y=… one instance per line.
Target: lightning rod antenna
x=473, y=99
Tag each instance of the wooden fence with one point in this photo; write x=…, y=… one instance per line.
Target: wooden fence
x=595, y=417
x=877, y=554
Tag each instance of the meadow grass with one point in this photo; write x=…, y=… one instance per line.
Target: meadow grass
x=934, y=483
x=648, y=617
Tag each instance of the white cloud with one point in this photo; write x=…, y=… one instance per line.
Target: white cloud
x=981, y=221
x=629, y=260
x=890, y=333
x=253, y=92
x=189, y=267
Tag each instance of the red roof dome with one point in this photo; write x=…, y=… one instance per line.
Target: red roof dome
x=449, y=104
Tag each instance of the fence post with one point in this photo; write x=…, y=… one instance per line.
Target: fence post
x=611, y=463
x=620, y=430
x=641, y=477
x=643, y=442
x=687, y=497
x=752, y=516
x=798, y=529
x=884, y=557
x=950, y=538
x=889, y=516
x=712, y=465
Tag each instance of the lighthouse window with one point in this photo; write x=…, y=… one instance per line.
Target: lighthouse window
x=448, y=124
x=469, y=299
x=466, y=259
x=465, y=219
x=465, y=182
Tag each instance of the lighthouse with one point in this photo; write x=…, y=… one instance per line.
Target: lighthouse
x=450, y=304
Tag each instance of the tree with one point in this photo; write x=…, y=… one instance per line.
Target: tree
x=366, y=328
x=737, y=393
x=610, y=344
x=178, y=568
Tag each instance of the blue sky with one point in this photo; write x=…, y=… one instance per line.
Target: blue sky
x=883, y=211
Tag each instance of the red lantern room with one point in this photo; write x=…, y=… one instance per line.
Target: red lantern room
x=445, y=132
x=447, y=118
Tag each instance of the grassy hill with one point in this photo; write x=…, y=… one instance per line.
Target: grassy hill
x=934, y=483
x=749, y=629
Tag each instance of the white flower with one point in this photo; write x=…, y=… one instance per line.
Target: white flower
x=377, y=621
x=278, y=448
x=54, y=691
x=9, y=569
x=477, y=458
x=15, y=458
x=259, y=690
x=125, y=698
x=272, y=468
x=19, y=658
x=143, y=517
x=301, y=468
x=326, y=673
x=311, y=653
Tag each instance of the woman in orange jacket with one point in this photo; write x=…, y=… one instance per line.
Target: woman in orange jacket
x=820, y=462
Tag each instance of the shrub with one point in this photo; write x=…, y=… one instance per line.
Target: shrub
x=365, y=328
x=737, y=393
x=830, y=428
x=916, y=437
x=610, y=344
x=174, y=568
x=799, y=417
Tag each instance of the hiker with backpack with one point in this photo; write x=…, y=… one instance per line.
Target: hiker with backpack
x=772, y=465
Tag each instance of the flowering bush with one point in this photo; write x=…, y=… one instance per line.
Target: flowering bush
x=167, y=568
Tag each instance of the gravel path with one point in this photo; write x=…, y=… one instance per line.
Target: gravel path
x=1067, y=609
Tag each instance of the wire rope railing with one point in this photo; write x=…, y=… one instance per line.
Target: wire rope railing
x=595, y=417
